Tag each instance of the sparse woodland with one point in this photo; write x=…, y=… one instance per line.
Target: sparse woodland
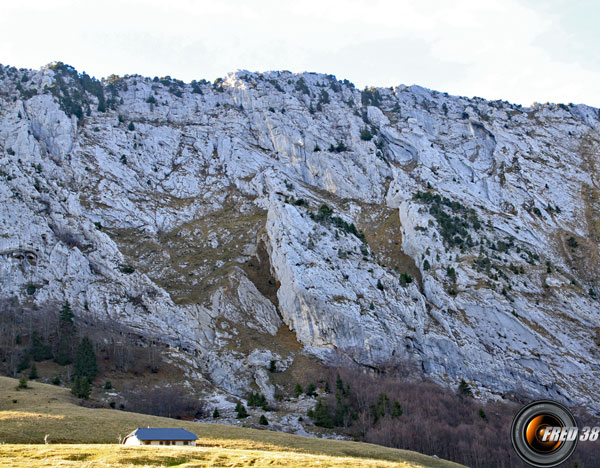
x=415, y=414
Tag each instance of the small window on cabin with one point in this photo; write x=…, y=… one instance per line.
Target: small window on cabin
x=147, y=442
x=161, y=443
x=185, y=442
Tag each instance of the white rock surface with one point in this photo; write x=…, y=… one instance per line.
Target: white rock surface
x=191, y=191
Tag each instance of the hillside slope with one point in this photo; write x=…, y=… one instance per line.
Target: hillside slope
x=375, y=226
x=44, y=409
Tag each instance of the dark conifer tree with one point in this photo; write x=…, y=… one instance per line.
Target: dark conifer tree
x=85, y=360
x=81, y=387
x=66, y=332
x=321, y=415
x=33, y=373
x=39, y=350
x=464, y=389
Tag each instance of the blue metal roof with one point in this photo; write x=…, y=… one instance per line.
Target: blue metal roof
x=164, y=433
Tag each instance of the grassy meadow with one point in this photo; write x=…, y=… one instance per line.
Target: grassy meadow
x=28, y=415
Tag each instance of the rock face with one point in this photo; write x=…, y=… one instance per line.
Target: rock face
x=264, y=216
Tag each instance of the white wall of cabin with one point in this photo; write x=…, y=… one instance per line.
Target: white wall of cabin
x=133, y=440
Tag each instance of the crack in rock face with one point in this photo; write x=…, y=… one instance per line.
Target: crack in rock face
x=263, y=218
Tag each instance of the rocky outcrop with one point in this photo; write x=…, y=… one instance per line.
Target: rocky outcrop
x=216, y=216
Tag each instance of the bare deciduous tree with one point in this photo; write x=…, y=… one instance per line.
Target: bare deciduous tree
x=171, y=401
x=434, y=420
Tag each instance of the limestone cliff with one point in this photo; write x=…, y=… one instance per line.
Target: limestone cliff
x=374, y=225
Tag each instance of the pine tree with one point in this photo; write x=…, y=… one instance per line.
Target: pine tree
x=36, y=346
x=397, y=411
x=464, y=389
x=321, y=415
x=339, y=384
x=216, y=413
x=311, y=390
x=39, y=351
x=85, y=360
x=342, y=410
x=63, y=354
x=81, y=387
x=241, y=411
x=298, y=390
x=381, y=408
x=256, y=400
x=66, y=314
x=84, y=388
x=75, y=386
x=33, y=373
x=66, y=329
x=22, y=383
x=263, y=420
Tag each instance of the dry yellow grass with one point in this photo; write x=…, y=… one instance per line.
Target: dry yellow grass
x=118, y=456
x=20, y=415
x=28, y=415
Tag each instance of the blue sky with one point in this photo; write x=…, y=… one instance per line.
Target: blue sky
x=519, y=50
